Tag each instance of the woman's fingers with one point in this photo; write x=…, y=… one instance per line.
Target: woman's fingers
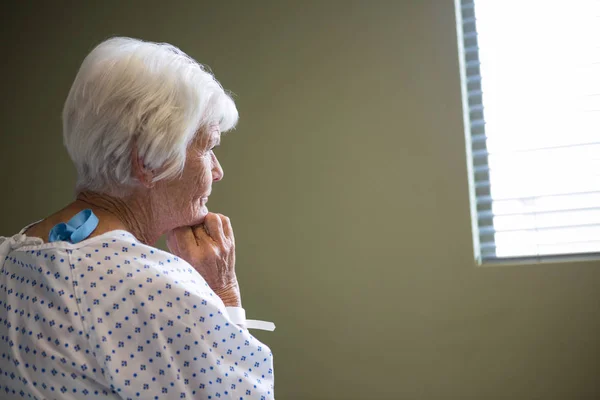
x=200, y=233
x=214, y=226
x=227, y=229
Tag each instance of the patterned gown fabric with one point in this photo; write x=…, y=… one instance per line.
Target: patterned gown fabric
x=113, y=318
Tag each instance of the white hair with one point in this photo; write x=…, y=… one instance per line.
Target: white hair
x=130, y=91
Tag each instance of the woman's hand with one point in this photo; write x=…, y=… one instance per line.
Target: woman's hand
x=210, y=249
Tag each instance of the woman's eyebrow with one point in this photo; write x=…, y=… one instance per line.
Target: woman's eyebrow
x=213, y=142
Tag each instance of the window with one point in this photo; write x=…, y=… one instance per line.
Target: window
x=531, y=95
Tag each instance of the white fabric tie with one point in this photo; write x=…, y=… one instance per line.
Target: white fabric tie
x=8, y=244
x=238, y=316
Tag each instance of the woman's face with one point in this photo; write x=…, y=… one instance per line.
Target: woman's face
x=184, y=199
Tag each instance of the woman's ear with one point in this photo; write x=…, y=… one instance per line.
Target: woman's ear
x=140, y=171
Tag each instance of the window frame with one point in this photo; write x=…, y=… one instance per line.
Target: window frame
x=475, y=141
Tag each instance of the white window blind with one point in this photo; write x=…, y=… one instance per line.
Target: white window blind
x=531, y=90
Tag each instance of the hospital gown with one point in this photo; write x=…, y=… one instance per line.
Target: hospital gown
x=113, y=318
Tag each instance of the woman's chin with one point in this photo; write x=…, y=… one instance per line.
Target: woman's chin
x=195, y=214
x=200, y=215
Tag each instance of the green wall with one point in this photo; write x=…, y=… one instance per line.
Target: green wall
x=346, y=183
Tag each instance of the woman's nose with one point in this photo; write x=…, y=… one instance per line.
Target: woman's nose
x=217, y=171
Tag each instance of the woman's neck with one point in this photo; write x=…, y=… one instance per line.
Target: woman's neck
x=133, y=214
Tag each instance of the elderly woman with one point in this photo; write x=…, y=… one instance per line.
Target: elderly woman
x=89, y=308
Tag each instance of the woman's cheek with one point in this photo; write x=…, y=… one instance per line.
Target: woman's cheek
x=205, y=177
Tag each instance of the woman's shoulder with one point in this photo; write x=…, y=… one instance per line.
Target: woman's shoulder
x=121, y=252
x=118, y=263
